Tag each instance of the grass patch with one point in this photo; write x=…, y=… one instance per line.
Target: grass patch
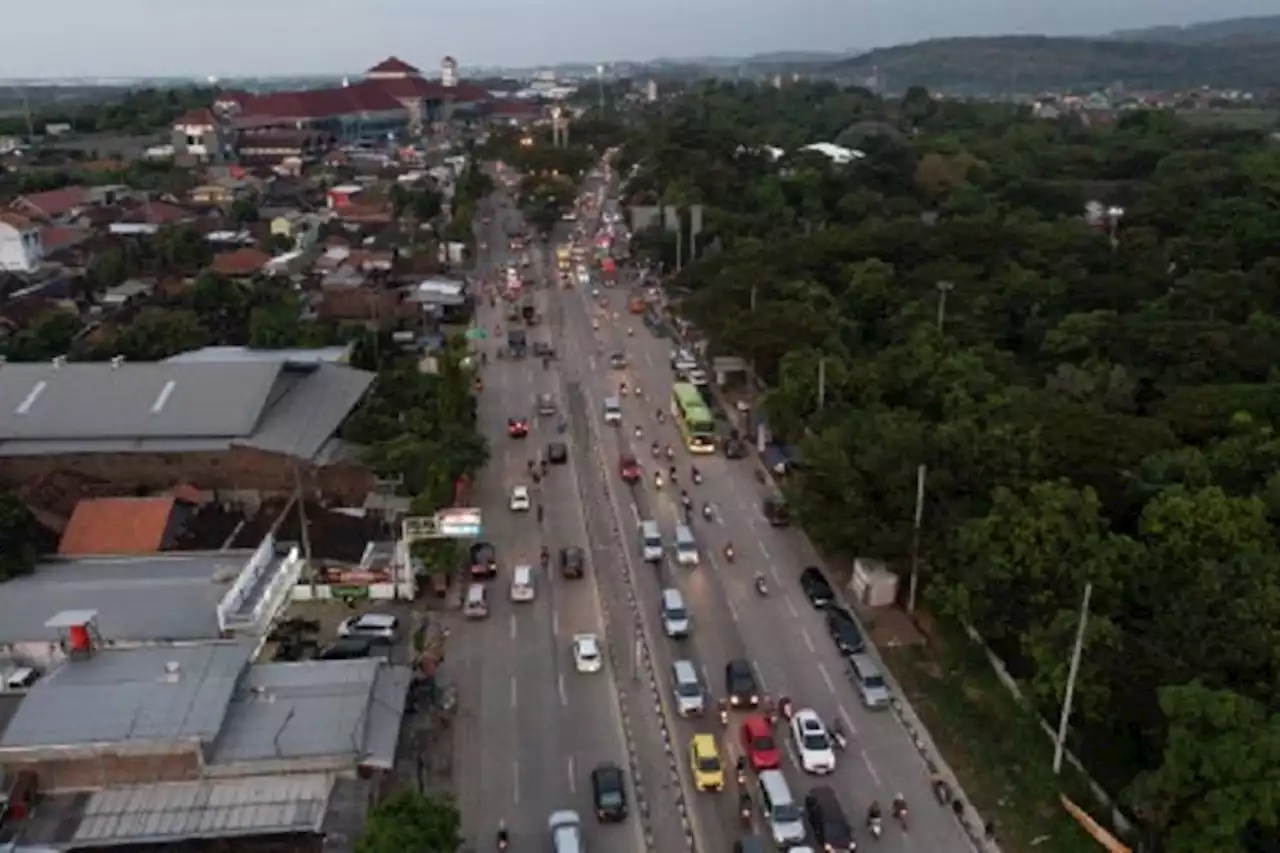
x=1000, y=755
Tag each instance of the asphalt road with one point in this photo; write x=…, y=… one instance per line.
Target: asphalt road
x=781, y=634
x=531, y=728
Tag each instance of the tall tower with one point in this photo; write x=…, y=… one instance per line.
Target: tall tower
x=449, y=80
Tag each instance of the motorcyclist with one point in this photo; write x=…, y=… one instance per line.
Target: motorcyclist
x=622, y=389
x=761, y=586
x=695, y=474
x=742, y=769
x=707, y=512
x=504, y=837
x=655, y=448
x=873, y=812
x=671, y=452
x=657, y=479
x=728, y=551
x=671, y=474
x=545, y=556
x=685, y=500
x=744, y=804
x=660, y=415
x=899, y=806
x=639, y=432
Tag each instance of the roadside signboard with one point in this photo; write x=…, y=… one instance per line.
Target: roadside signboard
x=458, y=523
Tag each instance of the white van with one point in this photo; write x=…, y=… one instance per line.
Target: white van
x=686, y=546
x=612, y=411
x=650, y=542
x=783, y=813
x=476, y=605
x=522, y=583
x=675, y=618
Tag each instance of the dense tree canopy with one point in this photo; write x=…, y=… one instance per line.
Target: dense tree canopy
x=409, y=821
x=1091, y=387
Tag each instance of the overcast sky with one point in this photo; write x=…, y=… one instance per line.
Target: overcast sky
x=125, y=38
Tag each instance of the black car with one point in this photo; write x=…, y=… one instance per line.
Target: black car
x=816, y=587
x=830, y=827
x=557, y=453
x=740, y=684
x=775, y=511
x=609, y=792
x=573, y=564
x=483, y=561
x=844, y=631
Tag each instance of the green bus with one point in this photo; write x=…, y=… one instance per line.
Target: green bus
x=694, y=418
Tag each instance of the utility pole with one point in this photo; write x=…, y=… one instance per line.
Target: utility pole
x=301, y=497
x=944, y=287
x=1060, y=746
x=914, y=582
x=822, y=385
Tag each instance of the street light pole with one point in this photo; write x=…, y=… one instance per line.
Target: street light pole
x=944, y=287
x=1060, y=745
x=914, y=582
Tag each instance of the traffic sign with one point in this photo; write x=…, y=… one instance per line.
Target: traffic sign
x=477, y=333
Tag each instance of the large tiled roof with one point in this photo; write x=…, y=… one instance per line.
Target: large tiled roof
x=364, y=97
x=117, y=526
x=393, y=65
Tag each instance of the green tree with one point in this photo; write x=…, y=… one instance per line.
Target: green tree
x=408, y=820
x=243, y=212
x=19, y=542
x=1218, y=779
x=156, y=334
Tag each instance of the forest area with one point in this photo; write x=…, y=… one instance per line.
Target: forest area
x=1076, y=329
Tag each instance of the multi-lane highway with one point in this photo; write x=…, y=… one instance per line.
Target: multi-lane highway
x=534, y=727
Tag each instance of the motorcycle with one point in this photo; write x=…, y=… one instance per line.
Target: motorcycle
x=744, y=808
x=706, y=512
x=839, y=738
x=724, y=716
x=876, y=826
x=761, y=587
x=657, y=479
x=504, y=839
x=697, y=477
x=786, y=708
x=671, y=454
x=728, y=553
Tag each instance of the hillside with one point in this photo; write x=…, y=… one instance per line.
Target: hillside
x=1209, y=32
x=1029, y=64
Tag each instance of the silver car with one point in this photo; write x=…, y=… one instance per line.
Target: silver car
x=566, y=831
x=690, y=698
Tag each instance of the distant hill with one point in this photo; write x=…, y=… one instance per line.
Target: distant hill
x=1265, y=28
x=1030, y=64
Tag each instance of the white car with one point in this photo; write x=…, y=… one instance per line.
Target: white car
x=520, y=499
x=586, y=653
x=376, y=626
x=812, y=742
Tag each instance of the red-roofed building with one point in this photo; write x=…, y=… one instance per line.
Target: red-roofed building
x=240, y=263
x=55, y=205
x=136, y=526
x=392, y=98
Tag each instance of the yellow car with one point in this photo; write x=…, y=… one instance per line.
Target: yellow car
x=704, y=760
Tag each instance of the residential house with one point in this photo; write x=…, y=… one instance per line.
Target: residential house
x=148, y=217
x=60, y=205
x=126, y=294
x=20, y=247
x=302, y=228
x=348, y=299
x=240, y=263
x=123, y=526
x=340, y=196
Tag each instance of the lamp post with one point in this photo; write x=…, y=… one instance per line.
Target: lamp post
x=944, y=287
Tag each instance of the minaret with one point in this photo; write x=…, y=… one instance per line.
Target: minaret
x=449, y=80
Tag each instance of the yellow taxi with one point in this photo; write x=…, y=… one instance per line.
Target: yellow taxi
x=704, y=761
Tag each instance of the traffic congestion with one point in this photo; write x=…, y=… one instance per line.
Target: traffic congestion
x=657, y=659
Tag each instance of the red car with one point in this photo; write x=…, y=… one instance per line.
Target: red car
x=758, y=743
x=629, y=469
x=517, y=427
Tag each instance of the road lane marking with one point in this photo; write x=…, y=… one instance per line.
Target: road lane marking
x=635, y=513
x=764, y=685
x=514, y=693
x=763, y=550
x=826, y=676
x=808, y=641
x=848, y=721
x=573, y=778
x=513, y=626
x=564, y=694
x=773, y=573
x=872, y=769
x=555, y=622
x=733, y=611
x=515, y=781
x=791, y=607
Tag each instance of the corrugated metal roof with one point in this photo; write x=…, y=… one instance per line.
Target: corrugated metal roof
x=299, y=710
x=175, y=407
x=163, y=693
x=255, y=805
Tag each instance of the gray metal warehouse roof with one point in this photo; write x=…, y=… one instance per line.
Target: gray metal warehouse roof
x=313, y=709
x=120, y=695
x=174, y=406
x=172, y=812
x=138, y=599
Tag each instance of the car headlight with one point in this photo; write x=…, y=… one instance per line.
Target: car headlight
x=734, y=700
x=755, y=699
